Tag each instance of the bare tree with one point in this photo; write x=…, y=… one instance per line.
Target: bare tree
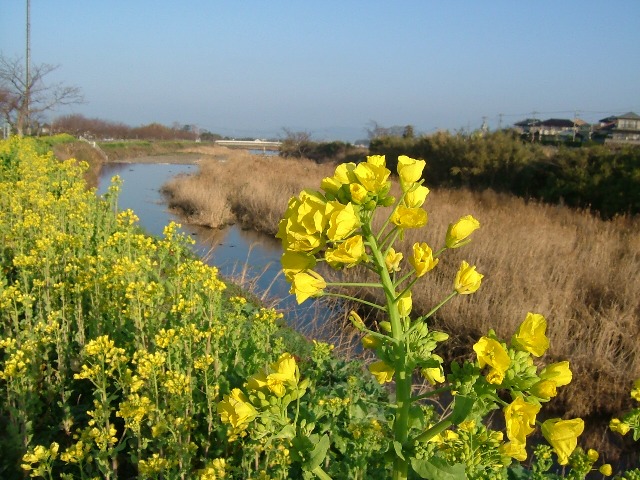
x=295, y=144
x=25, y=98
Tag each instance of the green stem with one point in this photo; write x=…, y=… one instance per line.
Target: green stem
x=408, y=287
x=399, y=356
x=437, y=391
x=439, y=427
x=347, y=297
x=435, y=309
x=320, y=473
x=384, y=338
x=354, y=284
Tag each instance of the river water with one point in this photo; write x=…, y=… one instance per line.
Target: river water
x=241, y=255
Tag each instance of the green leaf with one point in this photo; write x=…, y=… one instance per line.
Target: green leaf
x=438, y=468
x=397, y=446
x=518, y=472
x=287, y=432
x=461, y=409
x=318, y=454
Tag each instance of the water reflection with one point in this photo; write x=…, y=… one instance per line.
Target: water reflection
x=237, y=253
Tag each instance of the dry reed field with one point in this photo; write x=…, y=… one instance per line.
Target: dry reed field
x=581, y=273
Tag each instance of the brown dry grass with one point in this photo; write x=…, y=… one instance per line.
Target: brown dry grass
x=581, y=273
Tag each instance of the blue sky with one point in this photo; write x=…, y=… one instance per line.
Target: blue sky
x=332, y=67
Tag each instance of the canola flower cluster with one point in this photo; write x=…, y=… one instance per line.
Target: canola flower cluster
x=334, y=228
x=111, y=341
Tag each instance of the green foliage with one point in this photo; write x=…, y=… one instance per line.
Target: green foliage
x=300, y=145
x=605, y=179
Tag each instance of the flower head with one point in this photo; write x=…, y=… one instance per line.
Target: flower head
x=422, y=259
x=514, y=450
x=416, y=196
x=530, y=336
x=520, y=417
x=342, y=220
x=606, y=469
x=491, y=352
x=350, y=252
x=458, y=233
x=372, y=177
x=236, y=410
x=406, y=217
x=563, y=435
x=382, y=371
x=618, y=426
x=409, y=170
x=405, y=304
x=635, y=391
x=559, y=373
x=392, y=260
x=467, y=279
x=307, y=284
x=296, y=262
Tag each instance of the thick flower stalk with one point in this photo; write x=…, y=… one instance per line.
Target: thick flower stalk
x=335, y=228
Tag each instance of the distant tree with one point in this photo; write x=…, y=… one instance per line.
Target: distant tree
x=24, y=99
x=378, y=131
x=295, y=144
x=408, y=132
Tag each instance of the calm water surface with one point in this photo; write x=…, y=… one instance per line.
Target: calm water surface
x=234, y=251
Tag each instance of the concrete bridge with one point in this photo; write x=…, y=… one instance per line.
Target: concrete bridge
x=249, y=144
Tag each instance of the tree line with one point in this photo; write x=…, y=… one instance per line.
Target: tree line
x=601, y=178
x=99, y=129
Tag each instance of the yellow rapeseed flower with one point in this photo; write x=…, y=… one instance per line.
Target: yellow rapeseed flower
x=378, y=160
x=405, y=304
x=307, y=284
x=559, y=373
x=635, y=391
x=606, y=469
x=458, y=233
x=406, y=217
x=350, y=252
x=544, y=389
x=409, y=170
x=514, y=450
x=593, y=455
x=236, y=410
x=359, y=194
x=491, y=352
x=422, y=259
x=520, y=418
x=382, y=372
x=530, y=336
x=342, y=220
x=392, y=260
x=618, y=426
x=416, y=196
x=372, y=177
x=563, y=435
x=467, y=280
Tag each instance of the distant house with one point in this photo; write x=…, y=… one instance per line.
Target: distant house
x=621, y=129
x=553, y=129
x=527, y=126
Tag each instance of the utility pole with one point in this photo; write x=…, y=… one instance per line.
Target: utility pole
x=27, y=90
